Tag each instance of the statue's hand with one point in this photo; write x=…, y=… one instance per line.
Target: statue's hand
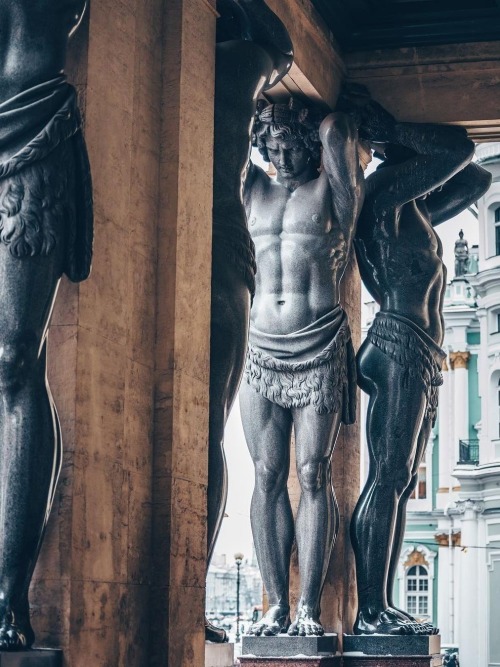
x=376, y=124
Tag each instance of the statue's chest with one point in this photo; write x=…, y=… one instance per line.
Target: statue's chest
x=301, y=212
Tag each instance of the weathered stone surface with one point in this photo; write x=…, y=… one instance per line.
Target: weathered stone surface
x=395, y=645
x=219, y=655
x=250, y=661
x=284, y=646
x=392, y=661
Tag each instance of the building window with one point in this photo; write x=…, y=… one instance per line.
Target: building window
x=420, y=491
x=498, y=412
x=417, y=591
x=497, y=231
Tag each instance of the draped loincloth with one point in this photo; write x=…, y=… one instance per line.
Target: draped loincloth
x=45, y=182
x=412, y=348
x=314, y=366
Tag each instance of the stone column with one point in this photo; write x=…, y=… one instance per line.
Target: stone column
x=468, y=611
x=445, y=433
x=459, y=362
x=180, y=469
x=91, y=588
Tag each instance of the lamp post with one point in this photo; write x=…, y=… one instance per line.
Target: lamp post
x=238, y=557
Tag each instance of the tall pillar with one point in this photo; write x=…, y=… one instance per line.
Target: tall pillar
x=445, y=431
x=468, y=610
x=180, y=469
x=459, y=362
x=91, y=588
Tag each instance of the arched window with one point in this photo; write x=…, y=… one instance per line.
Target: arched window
x=497, y=214
x=417, y=591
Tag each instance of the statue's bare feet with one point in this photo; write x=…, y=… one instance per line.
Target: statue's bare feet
x=275, y=621
x=425, y=627
x=215, y=634
x=387, y=622
x=306, y=623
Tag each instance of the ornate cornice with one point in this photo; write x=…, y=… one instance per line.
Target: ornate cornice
x=459, y=360
x=475, y=505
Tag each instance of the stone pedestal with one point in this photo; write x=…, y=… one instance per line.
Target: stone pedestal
x=219, y=655
x=289, y=647
x=296, y=661
x=392, y=661
x=35, y=658
x=392, y=651
x=393, y=645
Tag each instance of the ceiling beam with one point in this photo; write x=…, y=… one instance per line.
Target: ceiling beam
x=454, y=83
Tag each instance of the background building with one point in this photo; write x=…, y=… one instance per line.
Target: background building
x=449, y=569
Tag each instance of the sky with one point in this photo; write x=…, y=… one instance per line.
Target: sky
x=236, y=535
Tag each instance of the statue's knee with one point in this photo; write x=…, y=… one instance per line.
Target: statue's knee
x=16, y=361
x=393, y=478
x=267, y=479
x=312, y=475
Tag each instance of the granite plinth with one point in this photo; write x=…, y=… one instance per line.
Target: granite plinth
x=394, y=645
x=295, y=661
x=285, y=646
x=392, y=661
x=40, y=657
x=219, y=655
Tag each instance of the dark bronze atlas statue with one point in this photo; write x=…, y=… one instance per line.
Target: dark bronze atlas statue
x=253, y=53
x=45, y=231
x=425, y=178
x=300, y=366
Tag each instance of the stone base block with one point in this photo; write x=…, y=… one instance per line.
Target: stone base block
x=287, y=647
x=218, y=655
x=392, y=661
x=296, y=661
x=41, y=657
x=394, y=645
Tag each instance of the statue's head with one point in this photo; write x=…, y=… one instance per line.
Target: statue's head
x=287, y=135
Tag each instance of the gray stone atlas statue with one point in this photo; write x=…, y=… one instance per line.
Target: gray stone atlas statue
x=45, y=231
x=461, y=255
x=426, y=177
x=300, y=366
x=253, y=53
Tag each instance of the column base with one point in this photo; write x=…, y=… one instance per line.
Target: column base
x=38, y=657
x=218, y=655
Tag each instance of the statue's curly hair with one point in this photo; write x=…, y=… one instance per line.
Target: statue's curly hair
x=292, y=122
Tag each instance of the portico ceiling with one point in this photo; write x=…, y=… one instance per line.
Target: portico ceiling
x=360, y=25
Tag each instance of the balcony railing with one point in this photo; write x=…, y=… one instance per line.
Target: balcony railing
x=468, y=452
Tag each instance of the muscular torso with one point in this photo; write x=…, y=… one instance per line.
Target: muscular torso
x=403, y=269
x=301, y=252
x=33, y=39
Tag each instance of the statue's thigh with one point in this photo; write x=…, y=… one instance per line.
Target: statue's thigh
x=315, y=434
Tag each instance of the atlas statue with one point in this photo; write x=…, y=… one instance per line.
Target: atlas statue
x=253, y=53
x=300, y=370
x=426, y=177
x=45, y=231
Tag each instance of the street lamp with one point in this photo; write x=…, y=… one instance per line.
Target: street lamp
x=238, y=557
